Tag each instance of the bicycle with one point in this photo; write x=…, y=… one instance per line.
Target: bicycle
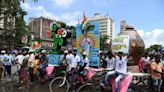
x=141, y=82
x=94, y=84
x=67, y=83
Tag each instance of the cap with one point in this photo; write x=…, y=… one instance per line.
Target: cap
x=31, y=51
x=84, y=53
x=3, y=51
x=100, y=51
x=66, y=51
x=43, y=51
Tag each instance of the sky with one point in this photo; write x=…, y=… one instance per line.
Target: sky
x=146, y=16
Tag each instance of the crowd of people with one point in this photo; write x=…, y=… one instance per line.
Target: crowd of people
x=30, y=65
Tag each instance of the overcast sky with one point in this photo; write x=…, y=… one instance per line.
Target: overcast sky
x=147, y=16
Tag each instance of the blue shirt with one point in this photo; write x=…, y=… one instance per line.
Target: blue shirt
x=7, y=59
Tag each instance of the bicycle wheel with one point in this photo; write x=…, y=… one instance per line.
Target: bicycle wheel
x=89, y=87
x=58, y=85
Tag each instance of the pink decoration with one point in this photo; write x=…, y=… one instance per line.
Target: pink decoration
x=124, y=83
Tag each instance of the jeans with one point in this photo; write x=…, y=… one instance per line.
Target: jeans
x=156, y=84
x=119, y=77
x=8, y=70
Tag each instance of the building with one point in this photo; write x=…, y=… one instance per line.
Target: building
x=106, y=24
x=40, y=27
x=7, y=26
x=137, y=44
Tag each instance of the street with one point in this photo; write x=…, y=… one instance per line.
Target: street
x=6, y=85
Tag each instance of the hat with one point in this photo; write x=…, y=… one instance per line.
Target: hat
x=66, y=51
x=74, y=49
x=84, y=53
x=3, y=51
x=31, y=51
x=100, y=51
x=43, y=51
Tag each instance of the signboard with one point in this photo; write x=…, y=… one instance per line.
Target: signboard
x=54, y=60
x=89, y=41
x=121, y=43
x=25, y=39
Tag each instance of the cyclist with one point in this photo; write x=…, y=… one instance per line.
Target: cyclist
x=119, y=72
x=63, y=60
x=74, y=66
x=75, y=61
x=111, y=61
x=42, y=65
x=85, y=64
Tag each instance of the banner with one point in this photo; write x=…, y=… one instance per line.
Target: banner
x=121, y=43
x=89, y=41
x=53, y=60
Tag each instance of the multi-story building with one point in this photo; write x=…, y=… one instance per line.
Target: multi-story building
x=40, y=27
x=106, y=24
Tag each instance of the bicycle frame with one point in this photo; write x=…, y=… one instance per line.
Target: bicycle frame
x=65, y=78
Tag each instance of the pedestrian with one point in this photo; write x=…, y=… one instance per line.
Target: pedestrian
x=7, y=62
x=156, y=70
x=36, y=62
x=19, y=59
x=24, y=77
x=43, y=65
x=145, y=62
x=31, y=65
x=1, y=65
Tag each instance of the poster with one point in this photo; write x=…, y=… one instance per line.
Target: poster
x=53, y=60
x=121, y=43
x=89, y=41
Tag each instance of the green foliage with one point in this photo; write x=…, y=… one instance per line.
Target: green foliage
x=103, y=42
x=14, y=26
x=154, y=47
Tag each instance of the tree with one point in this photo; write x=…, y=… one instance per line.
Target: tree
x=13, y=25
x=154, y=47
x=103, y=42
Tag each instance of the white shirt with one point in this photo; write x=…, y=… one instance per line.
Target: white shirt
x=86, y=60
x=145, y=61
x=19, y=59
x=68, y=57
x=75, y=60
x=111, y=63
x=121, y=65
x=31, y=58
x=1, y=58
